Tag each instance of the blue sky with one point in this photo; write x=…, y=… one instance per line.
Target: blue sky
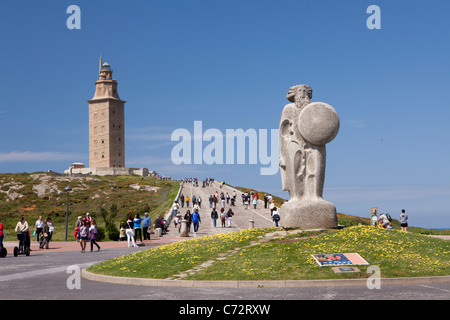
x=230, y=64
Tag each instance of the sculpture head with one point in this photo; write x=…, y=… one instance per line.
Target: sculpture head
x=299, y=93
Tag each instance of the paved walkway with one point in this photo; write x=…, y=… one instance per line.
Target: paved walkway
x=241, y=218
x=240, y=221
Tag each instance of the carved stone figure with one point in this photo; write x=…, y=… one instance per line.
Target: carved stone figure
x=305, y=128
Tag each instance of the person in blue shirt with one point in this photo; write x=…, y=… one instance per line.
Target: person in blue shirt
x=196, y=220
x=146, y=223
x=137, y=227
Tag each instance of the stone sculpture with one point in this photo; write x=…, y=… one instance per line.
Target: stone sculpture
x=305, y=128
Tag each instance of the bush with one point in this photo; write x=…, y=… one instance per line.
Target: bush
x=113, y=232
x=100, y=233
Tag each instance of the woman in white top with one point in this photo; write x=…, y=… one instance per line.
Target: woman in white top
x=130, y=231
x=230, y=215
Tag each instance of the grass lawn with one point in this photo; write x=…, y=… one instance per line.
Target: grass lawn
x=398, y=254
x=167, y=260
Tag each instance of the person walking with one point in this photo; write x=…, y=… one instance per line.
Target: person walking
x=223, y=216
x=222, y=198
x=175, y=208
x=88, y=219
x=404, y=220
x=187, y=202
x=45, y=235
x=1, y=234
x=146, y=224
x=271, y=207
x=84, y=234
x=93, y=235
x=230, y=215
x=210, y=200
x=196, y=220
x=214, y=217
x=182, y=200
x=51, y=228
x=130, y=231
x=246, y=199
x=38, y=227
x=188, y=219
x=137, y=227
x=177, y=221
x=214, y=204
x=255, y=202
x=77, y=229
x=275, y=216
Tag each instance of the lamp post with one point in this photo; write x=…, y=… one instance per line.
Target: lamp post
x=67, y=190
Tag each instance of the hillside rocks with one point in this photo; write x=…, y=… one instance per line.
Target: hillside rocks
x=43, y=184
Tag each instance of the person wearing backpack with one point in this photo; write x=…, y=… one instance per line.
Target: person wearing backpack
x=196, y=220
x=383, y=220
x=275, y=216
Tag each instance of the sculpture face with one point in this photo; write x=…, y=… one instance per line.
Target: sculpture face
x=299, y=93
x=305, y=128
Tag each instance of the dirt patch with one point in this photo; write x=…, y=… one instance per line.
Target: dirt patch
x=27, y=209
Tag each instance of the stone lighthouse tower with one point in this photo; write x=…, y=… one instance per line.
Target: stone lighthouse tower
x=106, y=122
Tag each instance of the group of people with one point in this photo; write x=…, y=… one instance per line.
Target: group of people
x=384, y=221
x=205, y=183
x=43, y=231
x=86, y=230
x=194, y=201
x=139, y=228
x=194, y=218
x=224, y=198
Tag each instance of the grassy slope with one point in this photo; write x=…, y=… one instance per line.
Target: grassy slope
x=88, y=195
x=396, y=253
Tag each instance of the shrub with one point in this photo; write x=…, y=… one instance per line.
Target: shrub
x=100, y=233
x=113, y=232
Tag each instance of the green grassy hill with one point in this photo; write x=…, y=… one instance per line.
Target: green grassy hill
x=232, y=256
x=41, y=194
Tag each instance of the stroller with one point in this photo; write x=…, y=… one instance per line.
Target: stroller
x=24, y=244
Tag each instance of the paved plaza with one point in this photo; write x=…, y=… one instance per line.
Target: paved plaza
x=44, y=274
